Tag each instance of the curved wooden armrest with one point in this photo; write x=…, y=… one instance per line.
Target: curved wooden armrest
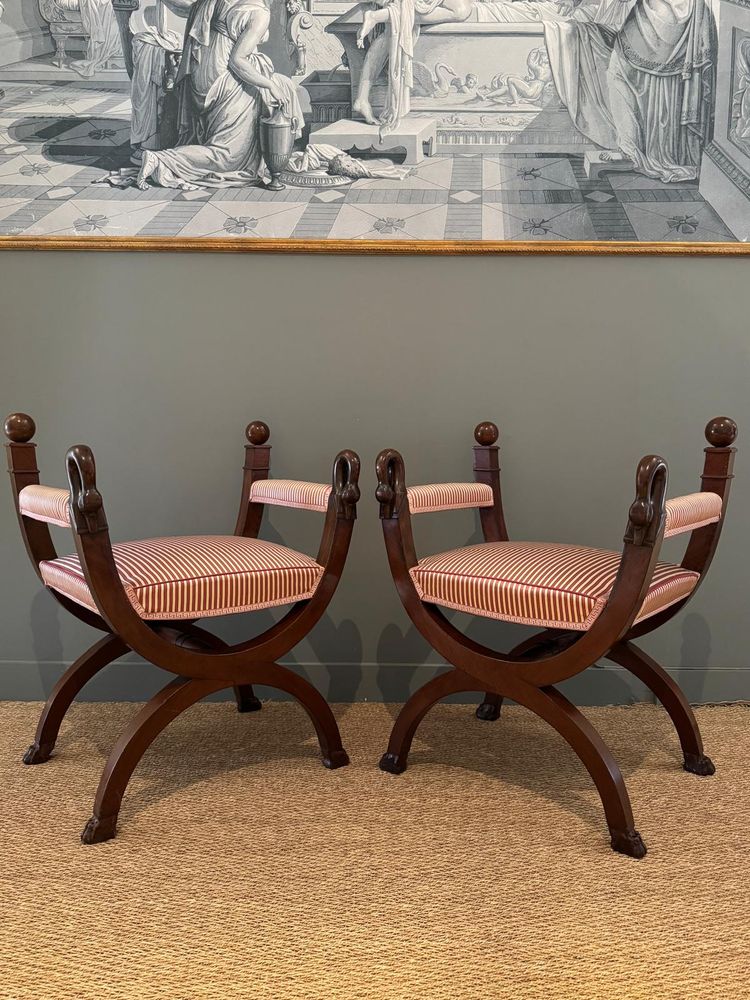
x=86, y=503
x=394, y=513
x=342, y=511
x=346, y=492
x=647, y=515
x=391, y=489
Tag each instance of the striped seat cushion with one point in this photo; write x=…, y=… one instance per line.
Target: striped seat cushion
x=533, y=583
x=45, y=503
x=196, y=576
x=692, y=511
x=448, y=496
x=290, y=493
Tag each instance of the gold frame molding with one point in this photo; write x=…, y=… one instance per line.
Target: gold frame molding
x=443, y=248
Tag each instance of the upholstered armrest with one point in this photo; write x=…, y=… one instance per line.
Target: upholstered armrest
x=290, y=493
x=45, y=503
x=695, y=510
x=448, y=496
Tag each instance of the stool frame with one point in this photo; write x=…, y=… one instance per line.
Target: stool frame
x=527, y=674
x=202, y=662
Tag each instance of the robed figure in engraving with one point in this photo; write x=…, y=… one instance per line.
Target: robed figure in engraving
x=645, y=89
x=222, y=80
x=401, y=20
x=103, y=46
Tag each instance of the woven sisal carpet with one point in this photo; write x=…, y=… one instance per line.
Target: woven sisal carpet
x=244, y=870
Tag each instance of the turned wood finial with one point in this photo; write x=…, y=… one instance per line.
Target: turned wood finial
x=721, y=432
x=257, y=432
x=486, y=433
x=20, y=428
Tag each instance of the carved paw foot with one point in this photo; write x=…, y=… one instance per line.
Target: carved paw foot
x=38, y=753
x=699, y=763
x=488, y=712
x=249, y=705
x=393, y=763
x=335, y=758
x=97, y=831
x=628, y=842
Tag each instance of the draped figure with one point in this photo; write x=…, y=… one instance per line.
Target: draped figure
x=158, y=31
x=400, y=21
x=223, y=80
x=104, y=43
x=645, y=89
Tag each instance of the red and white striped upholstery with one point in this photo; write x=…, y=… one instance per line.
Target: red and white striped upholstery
x=289, y=493
x=45, y=503
x=197, y=577
x=535, y=583
x=448, y=496
x=692, y=511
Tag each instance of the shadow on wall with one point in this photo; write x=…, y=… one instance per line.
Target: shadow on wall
x=695, y=653
x=44, y=622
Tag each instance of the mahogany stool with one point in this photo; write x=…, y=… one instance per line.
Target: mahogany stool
x=146, y=596
x=590, y=603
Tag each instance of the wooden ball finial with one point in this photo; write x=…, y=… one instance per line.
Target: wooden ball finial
x=486, y=433
x=721, y=432
x=257, y=432
x=20, y=428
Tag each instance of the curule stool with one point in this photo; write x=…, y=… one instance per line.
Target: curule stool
x=590, y=603
x=146, y=596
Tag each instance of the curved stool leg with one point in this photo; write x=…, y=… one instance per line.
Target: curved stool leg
x=489, y=710
x=672, y=698
x=172, y=700
x=415, y=709
x=314, y=704
x=596, y=756
x=194, y=637
x=245, y=698
x=101, y=654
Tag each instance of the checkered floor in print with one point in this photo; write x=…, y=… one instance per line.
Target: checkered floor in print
x=57, y=140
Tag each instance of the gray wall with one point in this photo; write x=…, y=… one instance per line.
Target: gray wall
x=159, y=361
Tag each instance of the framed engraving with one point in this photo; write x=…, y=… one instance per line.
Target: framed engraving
x=436, y=126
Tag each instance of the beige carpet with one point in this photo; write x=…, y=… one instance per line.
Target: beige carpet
x=244, y=870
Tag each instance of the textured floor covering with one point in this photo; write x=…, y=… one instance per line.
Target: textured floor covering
x=244, y=870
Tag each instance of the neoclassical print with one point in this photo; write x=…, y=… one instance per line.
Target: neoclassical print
x=476, y=120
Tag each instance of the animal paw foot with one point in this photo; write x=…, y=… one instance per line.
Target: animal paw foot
x=335, y=758
x=699, y=763
x=628, y=842
x=488, y=712
x=97, y=831
x=38, y=753
x=393, y=763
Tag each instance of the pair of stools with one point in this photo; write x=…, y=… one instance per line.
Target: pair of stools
x=591, y=604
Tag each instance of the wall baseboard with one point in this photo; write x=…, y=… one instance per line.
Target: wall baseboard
x=134, y=680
